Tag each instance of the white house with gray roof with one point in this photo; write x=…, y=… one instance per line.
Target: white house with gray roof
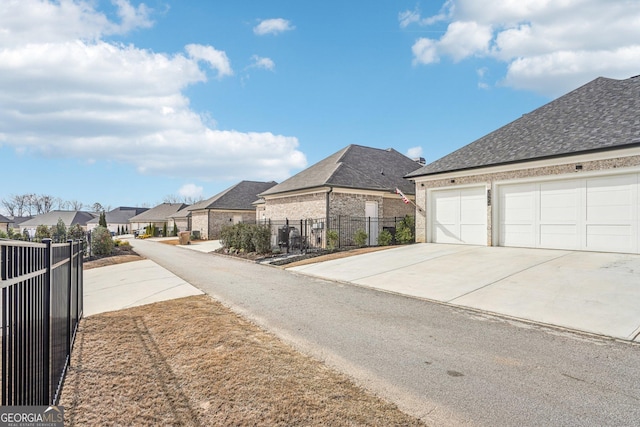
x=50, y=219
x=565, y=176
x=117, y=219
x=157, y=216
x=231, y=206
x=356, y=181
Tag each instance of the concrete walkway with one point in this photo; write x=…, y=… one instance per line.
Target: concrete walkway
x=587, y=291
x=131, y=284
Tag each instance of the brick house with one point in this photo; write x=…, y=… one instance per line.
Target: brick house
x=565, y=176
x=356, y=181
x=231, y=206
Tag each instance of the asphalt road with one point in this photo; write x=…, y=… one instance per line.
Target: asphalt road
x=446, y=365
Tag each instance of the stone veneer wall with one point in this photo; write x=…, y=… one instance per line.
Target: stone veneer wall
x=210, y=222
x=490, y=178
x=200, y=222
x=297, y=207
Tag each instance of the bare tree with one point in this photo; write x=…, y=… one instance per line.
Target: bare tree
x=46, y=202
x=172, y=198
x=75, y=205
x=9, y=206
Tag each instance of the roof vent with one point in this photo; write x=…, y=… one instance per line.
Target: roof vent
x=420, y=160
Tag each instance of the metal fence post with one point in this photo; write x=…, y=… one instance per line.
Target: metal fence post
x=48, y=277
x=69, y=298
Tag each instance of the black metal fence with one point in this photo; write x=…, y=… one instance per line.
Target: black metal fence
x=41, y=307
x=311, y=234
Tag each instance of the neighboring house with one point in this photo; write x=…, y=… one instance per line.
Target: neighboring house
x=565, y=176
x=50, y=219
x=117, y=219
x=15, y=221
x=181, y=220
x=232, y=206
x=157, y=216
x=356, y=181
x=4, y=223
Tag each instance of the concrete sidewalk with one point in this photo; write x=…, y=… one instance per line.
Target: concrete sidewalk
x=587, y=291
x=131, y=284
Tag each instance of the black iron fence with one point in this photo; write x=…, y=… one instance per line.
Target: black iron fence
x=311, y=234
x=41, y=307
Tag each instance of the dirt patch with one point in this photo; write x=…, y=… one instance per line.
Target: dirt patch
x=193, y=362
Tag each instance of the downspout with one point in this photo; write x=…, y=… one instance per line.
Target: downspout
x=327, y=197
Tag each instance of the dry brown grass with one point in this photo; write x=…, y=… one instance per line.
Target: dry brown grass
x=192, y=361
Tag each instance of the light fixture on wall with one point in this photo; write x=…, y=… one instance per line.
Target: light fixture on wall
x=578, y=167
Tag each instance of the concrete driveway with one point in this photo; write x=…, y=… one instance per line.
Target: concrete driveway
x=587, y=291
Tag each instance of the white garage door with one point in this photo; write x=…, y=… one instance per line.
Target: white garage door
x=459, y=216
x=596, y=214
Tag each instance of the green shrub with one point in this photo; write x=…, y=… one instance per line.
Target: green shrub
x=332, y=239
x=101, y=241
x=384, y=238
x=164, y=230
x=246, y=238
x=3, y=235
x=404, y=232
x=75, y=232
x=59, y=232
x=360, y=238
x=42, y=232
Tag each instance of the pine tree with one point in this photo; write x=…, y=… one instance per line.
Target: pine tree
x=102, y=222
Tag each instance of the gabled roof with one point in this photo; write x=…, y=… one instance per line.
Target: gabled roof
x=238, y=197
x=356, y=167
x=158, y=214
x=120, y=215
x=4, y=219
x=51, y=218
x=601, y=115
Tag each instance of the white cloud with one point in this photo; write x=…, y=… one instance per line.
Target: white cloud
x=216, y=59
x=65, y=92
x=414, y=152
x=273, y=26
x=264, y=63
x=191, y=191
x=548, y=47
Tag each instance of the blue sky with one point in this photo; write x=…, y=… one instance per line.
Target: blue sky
x=125, y=102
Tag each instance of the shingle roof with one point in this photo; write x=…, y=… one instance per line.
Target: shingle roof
x=357, y=167
x=604, y=114
x=158, y=214
x=238, y=197
x=4, y=219
x=51, y=218
x=120, y=215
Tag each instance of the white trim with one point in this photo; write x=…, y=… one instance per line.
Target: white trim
x=569, y=176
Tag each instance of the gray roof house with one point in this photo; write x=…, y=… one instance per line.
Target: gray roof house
x=157, y=216
x=564, y=176
x=4, y=223
x=50, y=219
x=231, y=206
x=356, y=181
x=117, y=219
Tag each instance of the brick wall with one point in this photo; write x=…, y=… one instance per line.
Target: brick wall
x=296, y=207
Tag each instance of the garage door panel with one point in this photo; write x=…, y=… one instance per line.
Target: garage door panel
x=559, y=236
x=521, y=235
x=473, y=234
x=559, y=202
x=610, y=199
x=617, y=238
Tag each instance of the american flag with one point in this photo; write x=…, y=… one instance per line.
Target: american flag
x=404, y=198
